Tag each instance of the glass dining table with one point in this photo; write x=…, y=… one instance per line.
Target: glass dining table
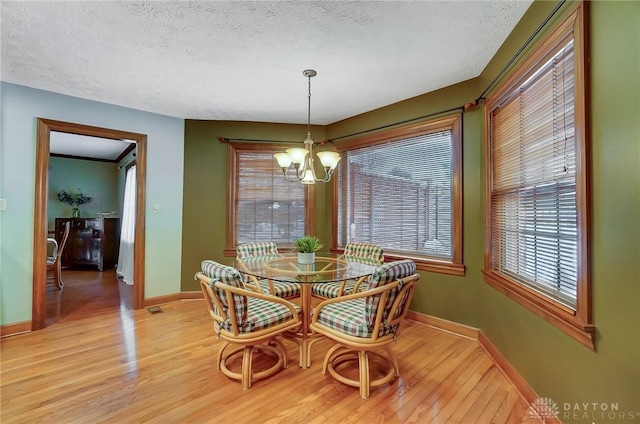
x=327, y=268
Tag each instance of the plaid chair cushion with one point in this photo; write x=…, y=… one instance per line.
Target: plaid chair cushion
x=281, y=288
x=262, y=314
x=384, y=274
x=332, y=289
x=257, y=248
x=348, y=318
x=365, y=253
x=232, y=277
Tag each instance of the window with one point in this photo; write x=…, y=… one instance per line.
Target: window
x=401, y=189
x=537, y=203
x=262, y=205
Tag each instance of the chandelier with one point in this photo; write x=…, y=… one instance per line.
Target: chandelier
x=302, y=158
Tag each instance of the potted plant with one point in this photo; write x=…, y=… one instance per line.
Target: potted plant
x=74, y=200
x=307, y=246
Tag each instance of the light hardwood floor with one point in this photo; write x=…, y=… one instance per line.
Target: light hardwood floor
x=109, y=364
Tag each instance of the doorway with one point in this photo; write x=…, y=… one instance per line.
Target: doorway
x=44, y=129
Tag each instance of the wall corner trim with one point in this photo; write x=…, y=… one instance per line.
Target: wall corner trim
x=186, y=295
x=521, y=385
x=444, y=325
x=15, y=328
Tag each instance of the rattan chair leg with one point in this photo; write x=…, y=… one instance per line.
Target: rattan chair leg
x=328, y=356
x=58, y=275
x=247, y=376
x=363, y=359
x=247, y=362
x=393, y=360
x=221, y=353
x=283, y=350
x=339, y=355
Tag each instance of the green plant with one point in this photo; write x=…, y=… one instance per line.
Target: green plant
x=74, y=199
x=307, y=244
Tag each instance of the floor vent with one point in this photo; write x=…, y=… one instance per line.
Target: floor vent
x=154, y=309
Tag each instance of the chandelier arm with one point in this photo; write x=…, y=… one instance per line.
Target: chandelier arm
x=287, y=179
x=328, y=173
x=300, y=173
x=296, y=180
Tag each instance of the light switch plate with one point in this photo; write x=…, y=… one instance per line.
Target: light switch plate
x=156, y=208
x=3, y=205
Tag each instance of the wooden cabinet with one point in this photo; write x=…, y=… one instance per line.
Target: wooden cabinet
x=92, y=241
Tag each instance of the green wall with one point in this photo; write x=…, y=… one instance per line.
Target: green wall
x=554, y=364
x=96, y=179
x=205, y=187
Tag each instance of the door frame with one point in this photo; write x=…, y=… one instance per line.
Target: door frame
x=40, y=223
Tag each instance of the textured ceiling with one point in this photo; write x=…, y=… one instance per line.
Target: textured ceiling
x=81, y=146
x=242, y=60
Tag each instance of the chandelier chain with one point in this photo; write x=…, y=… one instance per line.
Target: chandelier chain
x=309, y=107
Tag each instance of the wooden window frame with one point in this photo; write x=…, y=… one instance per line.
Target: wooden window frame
x=232, y=181
x=578, y=323
x=451, y=123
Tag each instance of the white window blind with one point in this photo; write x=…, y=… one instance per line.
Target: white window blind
x=399, y=195
x=267, y=208
x=534, y=229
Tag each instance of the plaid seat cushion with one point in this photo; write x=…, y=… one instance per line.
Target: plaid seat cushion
x=281, y=288
x=262, y=314
x=348, y=318
x=332, y=289
x=258, y=248
x=231, y=277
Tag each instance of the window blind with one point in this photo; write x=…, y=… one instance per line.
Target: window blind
x=533, y=189
x=399, y=195
x=267, y=208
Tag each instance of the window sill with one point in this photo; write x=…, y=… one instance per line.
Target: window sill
x=422, y=264
x=556, y=314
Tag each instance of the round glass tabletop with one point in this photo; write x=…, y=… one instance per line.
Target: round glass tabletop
x=327, y=267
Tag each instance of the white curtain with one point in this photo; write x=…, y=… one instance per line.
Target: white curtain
x=128, y=229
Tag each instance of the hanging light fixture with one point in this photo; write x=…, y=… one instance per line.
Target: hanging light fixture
x=302, y=158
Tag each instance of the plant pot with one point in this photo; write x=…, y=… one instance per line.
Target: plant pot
x=75, y=213
x=306, y=258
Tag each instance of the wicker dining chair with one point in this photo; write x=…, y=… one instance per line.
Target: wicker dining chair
x=246, y=318
x=261, y=250
x=367, y=323
x=54, y=262
x=365, y=253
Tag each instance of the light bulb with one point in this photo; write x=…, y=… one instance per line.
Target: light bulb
x=297, y=154
x=284, y=160
x=308, y=178
x=329, y=159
